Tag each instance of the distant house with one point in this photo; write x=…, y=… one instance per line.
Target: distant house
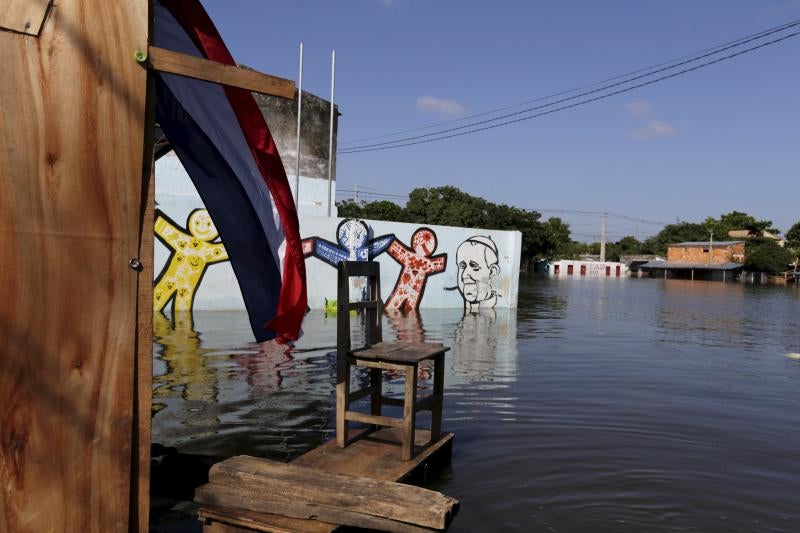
x=712, y=261
x=745, y=234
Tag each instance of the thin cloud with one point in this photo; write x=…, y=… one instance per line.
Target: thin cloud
x=440, y=105
x=655, y=128
x=639, y=109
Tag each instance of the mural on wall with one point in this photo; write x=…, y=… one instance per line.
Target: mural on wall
x=192, y=250
x=478, y=267
x=418, y=263
x=352, y=236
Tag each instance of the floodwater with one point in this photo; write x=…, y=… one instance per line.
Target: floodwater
x=598, y=405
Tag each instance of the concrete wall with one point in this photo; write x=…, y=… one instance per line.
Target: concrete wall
x=716, y=254
x=281, y=116
x=419, y=265
x=568, y=267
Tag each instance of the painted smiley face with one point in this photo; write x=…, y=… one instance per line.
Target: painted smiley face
x=201, y=226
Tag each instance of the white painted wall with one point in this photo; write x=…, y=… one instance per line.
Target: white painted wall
x=593, y=268
x=219, y=290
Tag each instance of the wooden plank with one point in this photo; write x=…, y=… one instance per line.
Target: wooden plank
x=143, y=387
x=401, y=352
x=364, y=418
x=71, y=144
x=438, y=397
x=382, y=365
x=377, y=455
x=266, y=522
x=24, y=16
x=409, y=413
x=230, y=497
x=164, y=60
x=387, y=500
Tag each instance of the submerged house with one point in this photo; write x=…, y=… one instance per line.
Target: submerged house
x=709, y=260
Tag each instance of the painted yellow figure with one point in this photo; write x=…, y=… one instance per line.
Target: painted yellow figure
x=192, y=251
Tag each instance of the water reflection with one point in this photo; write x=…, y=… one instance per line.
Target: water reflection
x=601, y=405
x=485, y=346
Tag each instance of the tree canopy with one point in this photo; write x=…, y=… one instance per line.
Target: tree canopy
x=449, y=206
x=551, y=239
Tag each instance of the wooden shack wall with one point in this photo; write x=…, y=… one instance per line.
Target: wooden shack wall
x=72, y=115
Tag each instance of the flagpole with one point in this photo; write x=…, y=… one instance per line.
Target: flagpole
x=330, y=143
x=299, y=114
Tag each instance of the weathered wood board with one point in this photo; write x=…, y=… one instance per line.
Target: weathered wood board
x=375, y=456
x=24, y=16
x=72, y=114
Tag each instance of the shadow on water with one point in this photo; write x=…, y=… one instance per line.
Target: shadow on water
x=598, y=405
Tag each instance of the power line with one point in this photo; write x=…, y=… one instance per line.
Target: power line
x=718, y=48
x=422, y=139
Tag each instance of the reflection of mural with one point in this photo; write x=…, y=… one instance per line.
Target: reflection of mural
x=353, y=245
x=187, y=368
x=190, y=254
x=263, y=370
x=478, y=266
x=485, y=346
x=418, y=263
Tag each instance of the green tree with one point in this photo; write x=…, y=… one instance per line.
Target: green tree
x=793, y=237
x=675, y=233
x=449, y=206
x=764, y=255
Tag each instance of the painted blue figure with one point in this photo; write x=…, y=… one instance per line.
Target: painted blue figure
x=353, y=244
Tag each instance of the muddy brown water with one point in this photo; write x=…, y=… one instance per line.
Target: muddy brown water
x=597, y=405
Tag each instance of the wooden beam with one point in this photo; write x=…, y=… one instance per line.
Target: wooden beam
x=24, y=16
x=170, y=62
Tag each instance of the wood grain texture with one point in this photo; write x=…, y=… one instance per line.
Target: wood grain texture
x=243, y=497
x=270, y=487
x=164, y=60
x=143, y=390
x=24, y=16
x=217, y=520
x=375, y=455
x=71, y=144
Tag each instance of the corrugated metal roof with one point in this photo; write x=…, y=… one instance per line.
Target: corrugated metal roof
x=689, y=266
x=706, y=243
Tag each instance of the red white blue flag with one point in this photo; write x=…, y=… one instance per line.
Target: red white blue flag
x=223, y=141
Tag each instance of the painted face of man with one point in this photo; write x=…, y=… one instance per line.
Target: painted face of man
x=474, y=271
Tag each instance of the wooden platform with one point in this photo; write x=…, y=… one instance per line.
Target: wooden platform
x=373, y=455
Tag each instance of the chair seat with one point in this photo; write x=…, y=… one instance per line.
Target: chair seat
x=401, y=352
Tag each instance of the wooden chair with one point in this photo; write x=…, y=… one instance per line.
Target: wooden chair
x=379, y=356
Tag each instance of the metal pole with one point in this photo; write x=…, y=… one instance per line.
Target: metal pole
x=603, y=239
x=299, y=115
x=330, y=144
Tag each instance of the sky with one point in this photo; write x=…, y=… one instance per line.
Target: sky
x=723, y=138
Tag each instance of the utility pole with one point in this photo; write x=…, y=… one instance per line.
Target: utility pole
x=330, y=143
x=710, y=245
x=356, y=189
x=603, y=237
x=299, y=120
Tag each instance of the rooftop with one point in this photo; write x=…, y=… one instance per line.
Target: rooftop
x=691, y=266
x=706, y=243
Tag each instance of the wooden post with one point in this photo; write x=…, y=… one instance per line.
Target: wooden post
x=409, y=413
x=342, y=362
x=438, y=397
x=71, y=202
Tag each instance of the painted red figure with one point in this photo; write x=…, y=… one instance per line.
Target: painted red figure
x=418, y=263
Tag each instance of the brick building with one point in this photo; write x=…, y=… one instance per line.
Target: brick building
x=715, y=253
x=712, y=261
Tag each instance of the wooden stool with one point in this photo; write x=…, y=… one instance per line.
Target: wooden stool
x=379, y=356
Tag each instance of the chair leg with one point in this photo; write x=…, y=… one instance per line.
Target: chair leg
x=376, y=383
x=409, y=412
x=342, y=402
x=438, y=397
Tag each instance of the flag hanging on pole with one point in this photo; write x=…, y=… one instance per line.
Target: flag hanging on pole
x=223, y=142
